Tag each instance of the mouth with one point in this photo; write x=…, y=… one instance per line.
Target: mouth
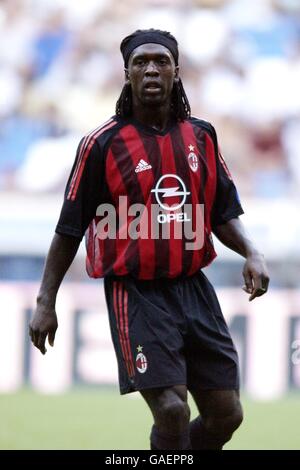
x=152, y=87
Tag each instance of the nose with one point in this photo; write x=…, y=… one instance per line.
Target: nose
x=151, y=70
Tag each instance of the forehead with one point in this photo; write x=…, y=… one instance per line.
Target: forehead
x=151, y=49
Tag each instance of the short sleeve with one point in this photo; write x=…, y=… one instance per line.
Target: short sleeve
x=84, y=190
x=227, y=203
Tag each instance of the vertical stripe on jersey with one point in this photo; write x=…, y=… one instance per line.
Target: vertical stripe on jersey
x=208, y=150
x=180, y=151
x=199, y=179
x=145, y=179
x=161, y=253
x=133, y=191
x=106, y=252
x=206, y=174
x=175, y=245
x=115, y=259
x=85, y=150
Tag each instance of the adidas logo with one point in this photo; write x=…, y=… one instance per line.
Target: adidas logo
x=142, y=166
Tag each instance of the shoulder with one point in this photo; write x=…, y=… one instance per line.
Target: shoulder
x=207, y=127
x=204, y=125
x=103, y=130
x=96, y=139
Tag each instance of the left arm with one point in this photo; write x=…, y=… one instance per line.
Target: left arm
x=233, y=235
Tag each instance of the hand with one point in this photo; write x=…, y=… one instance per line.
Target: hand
x=256, y=276
x=43, y=324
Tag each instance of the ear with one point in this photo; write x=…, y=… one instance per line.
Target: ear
x=176, y=74
x=127, y=79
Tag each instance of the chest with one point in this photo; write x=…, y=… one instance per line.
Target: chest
x=138, y=164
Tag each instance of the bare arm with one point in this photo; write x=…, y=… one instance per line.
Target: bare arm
x=233, y=235
x=44, y=321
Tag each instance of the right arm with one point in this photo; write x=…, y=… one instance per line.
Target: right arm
x=44, y=321
x=82, y=196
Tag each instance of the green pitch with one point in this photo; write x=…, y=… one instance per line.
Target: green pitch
x=101, y=419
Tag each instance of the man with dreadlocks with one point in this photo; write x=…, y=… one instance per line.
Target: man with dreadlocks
x=167, y=327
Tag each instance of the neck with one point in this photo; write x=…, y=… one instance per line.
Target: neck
x=157, y=117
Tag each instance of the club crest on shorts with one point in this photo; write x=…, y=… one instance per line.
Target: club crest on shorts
x=193, y=159
x=141, y=361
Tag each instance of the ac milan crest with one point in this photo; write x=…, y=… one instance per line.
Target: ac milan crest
x=141, y=363
x=193, y=159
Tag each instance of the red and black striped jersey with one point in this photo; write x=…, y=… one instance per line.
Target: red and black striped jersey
x=126, y=165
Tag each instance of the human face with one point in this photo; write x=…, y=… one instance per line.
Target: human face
x=151, y=73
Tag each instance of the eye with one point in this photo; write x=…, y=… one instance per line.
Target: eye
x=140, y=62
x=163, y=61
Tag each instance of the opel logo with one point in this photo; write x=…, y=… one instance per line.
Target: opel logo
x=161, y=193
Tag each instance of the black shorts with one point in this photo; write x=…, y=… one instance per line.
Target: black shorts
x=168, y=332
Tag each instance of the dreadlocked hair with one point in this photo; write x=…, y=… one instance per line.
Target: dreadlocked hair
x=180, y=105
x=124, y=103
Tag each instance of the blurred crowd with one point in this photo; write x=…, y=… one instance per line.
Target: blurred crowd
x=61, y=73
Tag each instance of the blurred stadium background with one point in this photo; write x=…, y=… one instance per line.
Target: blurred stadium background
x=60, y=75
